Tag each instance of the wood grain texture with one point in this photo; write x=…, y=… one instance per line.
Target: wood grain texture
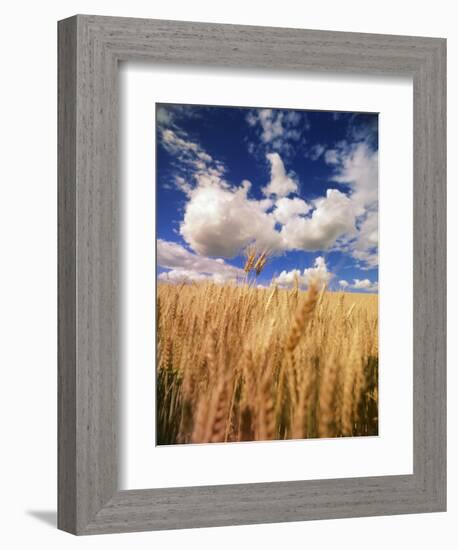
x=67, y=437
x=90, y=48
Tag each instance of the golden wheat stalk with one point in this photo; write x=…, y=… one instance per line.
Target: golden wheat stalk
x=266, y=409
x=302, y=318
x=250, y=254
x=326, y=425
x=299, y=427
x=271, y=298
x=351, y=369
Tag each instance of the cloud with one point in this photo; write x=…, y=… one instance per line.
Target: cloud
x=168, y=114
x=277, y=128
x=358, y=284
x=363, y=128
x=164, y=116
x=221, y=220
x=364, y=284
x=365, y=247
x=287, y=279
x=286, y=209
x=189, y=276
x=356, y=167
x=280, y=183
x=185, y=265
x=318, y=273
x=187, y=151
x=183, y=276
x=332, y=217
x=194, y=165
x=270, y=122
x=316, y=151
x=331, y=156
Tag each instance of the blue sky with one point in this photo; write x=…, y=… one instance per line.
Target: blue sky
x=301, y=184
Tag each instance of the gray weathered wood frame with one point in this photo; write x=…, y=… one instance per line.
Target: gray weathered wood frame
x=90, y=48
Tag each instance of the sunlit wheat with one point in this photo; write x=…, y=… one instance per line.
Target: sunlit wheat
x=240, y=363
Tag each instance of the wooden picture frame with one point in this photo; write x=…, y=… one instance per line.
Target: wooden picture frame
x=90, y=48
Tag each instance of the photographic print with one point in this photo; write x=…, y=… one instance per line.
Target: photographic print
x=267, y=274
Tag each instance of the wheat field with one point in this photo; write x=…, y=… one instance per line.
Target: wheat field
x=240, y=363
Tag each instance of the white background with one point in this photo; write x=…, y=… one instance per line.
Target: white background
x=388, y=454
x=28, y=272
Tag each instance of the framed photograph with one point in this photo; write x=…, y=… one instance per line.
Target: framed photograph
x=252, y=275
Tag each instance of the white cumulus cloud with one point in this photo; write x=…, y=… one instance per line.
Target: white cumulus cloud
x=356, y=166
x=184, y=265
x=333, y=217
x=280, y=183
x=359, y=169
x=183, y=276
x=318, y=273
x=360, y=284
x=286, y=208
x=222, y=221
x=189, y=276
x=364, y=284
